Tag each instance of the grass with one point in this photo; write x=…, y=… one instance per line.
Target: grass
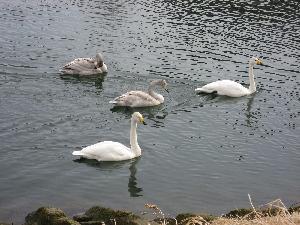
x=272, y=213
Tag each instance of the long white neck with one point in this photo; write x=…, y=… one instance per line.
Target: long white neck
x=155, y=95
x=252, y=87
x=133, y=139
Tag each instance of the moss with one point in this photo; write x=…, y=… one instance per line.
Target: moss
x=237, y=213
x=185, y=216
x=294, y=209
x=99, y=214
x=48, y=216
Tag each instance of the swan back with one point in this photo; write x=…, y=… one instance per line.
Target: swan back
x=85, y=66
x=225, y=87
x=115, y=151
x=231, y=88
x=141, y=98
x=106, y=151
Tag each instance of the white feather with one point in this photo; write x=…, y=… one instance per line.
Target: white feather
x=232, y=88
x=115, y=151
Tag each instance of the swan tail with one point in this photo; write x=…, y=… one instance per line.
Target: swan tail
x=201, y=90
x=78, y=153
x=113, y=102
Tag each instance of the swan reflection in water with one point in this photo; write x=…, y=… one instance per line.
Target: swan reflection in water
x=250, y=117
x=156, y=114
x=133, y=189
x=95, y=80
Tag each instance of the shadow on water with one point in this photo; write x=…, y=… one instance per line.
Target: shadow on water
x=247, y=101
x=155, y=113
x=133, y=189
x=95, y=80
x=248, y=114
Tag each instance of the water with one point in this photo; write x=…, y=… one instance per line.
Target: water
x=200, y=152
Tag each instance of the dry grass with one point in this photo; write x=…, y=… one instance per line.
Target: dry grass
x=273, y=213
x=268, y=220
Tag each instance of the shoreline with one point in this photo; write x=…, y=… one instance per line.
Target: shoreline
x=275, y=212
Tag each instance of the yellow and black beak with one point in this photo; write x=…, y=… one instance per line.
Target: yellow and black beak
x=258, y=62
x=142, y=121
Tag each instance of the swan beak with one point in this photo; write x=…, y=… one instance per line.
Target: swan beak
x=258, y=62
x=142, y=121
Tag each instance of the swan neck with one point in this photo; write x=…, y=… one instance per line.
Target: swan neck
x=252, y=87
x=155, y=95
x=133, y=139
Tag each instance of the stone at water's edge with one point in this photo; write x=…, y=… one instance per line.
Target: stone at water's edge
x=49, y=216
x=93, y=216
x=97, y=214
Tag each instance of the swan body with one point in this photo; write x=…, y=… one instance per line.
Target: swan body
x=141, y=98
x=232, y=88
x=115, y=151
x=85, y=66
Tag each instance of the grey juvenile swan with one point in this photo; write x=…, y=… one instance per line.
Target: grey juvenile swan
x=85, y=66
x=141, y=98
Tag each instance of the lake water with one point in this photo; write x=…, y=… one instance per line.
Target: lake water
x=200, y=152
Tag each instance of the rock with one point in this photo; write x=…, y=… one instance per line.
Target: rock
x=49, y=216
x=194, y=218
x=96, y=215
x=294, y=209
x=238, y=213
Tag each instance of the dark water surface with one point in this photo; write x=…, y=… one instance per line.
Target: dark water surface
x=200, y=152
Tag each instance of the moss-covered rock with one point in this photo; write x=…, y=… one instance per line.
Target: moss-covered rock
x=49, y=216
x=97, y=215
x=238, y=213
x=185, y=218
x=294, y=209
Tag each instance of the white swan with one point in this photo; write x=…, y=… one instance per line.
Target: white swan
x=231, y=88
x=115, y=151
x=85, y=66
x=141, y=98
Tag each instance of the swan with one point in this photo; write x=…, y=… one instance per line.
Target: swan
x=231, y=88
x=115, y=151
x=141, y=98
x=85, y=66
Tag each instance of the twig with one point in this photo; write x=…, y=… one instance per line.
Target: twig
x=252, y=204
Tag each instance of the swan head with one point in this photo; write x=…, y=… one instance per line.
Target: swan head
x=160, y=82
x=164, y=85
x=99, y=60
x=137, y=117
x=255, y=60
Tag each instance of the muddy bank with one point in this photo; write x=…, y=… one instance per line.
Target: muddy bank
x=152, y=215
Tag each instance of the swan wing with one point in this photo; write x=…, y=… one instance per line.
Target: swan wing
x=80, y=64
x=225, y=87
x=106, y=151
x=135, y=99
